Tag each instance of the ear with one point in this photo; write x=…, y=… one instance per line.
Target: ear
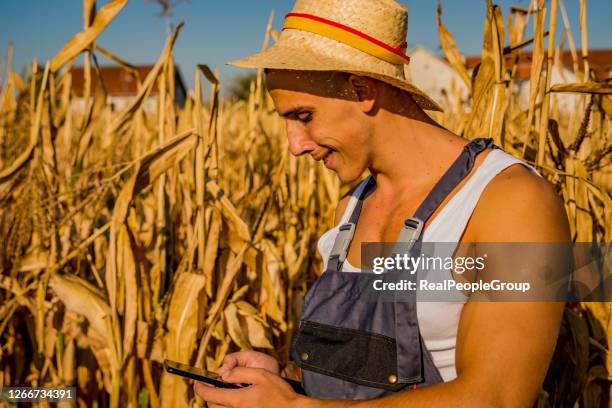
x=365, y=89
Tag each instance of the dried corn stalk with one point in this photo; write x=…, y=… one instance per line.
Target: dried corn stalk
x=131, y=236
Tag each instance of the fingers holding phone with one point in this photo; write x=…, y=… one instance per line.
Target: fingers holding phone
x=198, y=374
x=250, y=359
x=239, y=386
x=197, y=384
x=266, y=389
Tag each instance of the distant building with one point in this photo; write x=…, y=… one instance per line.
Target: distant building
x=121, y=86
x=435, y=76
x=600, y=63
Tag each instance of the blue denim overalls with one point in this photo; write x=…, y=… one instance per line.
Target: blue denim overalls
x=349, y=348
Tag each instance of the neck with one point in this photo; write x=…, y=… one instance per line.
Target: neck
x=410, y=153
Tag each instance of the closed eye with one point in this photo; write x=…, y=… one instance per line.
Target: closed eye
x=304, y=117
x=303, y=114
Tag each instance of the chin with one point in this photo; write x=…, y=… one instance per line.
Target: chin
x=349, y=177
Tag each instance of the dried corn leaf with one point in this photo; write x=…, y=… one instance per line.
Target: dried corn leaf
x=16, y=80
x=245, y=308
x=450, y=49
x=234, y=327
x=585, y=87
x=82, y=298
x=129, y=111
x=228, y=210
x=184, y=319
x=22, y=159
x=258, y=333
x=126, y=263
x=84, y=39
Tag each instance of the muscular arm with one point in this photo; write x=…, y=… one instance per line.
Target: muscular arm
x=503, y=349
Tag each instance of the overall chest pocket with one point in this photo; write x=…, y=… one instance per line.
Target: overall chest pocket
x=353, y=355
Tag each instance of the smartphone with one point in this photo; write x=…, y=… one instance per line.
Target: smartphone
x=211, y=378
x=197, y=374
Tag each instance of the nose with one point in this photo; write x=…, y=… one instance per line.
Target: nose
x=299, y=140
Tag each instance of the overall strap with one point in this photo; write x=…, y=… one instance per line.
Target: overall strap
x=347, y=230
x=409, y=368
x=413, y=227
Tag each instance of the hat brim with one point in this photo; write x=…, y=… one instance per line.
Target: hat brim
x=283, y=57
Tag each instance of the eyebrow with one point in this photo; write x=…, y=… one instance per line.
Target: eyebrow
x=294, y=111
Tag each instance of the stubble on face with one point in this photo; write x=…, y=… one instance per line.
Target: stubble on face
x=336, y=122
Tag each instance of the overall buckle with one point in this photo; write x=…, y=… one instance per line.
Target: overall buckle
x=413, y=227
x=342, y=242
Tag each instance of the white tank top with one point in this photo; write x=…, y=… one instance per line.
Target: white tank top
x=439, y=321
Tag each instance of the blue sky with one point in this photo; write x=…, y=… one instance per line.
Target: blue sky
x=220, y=30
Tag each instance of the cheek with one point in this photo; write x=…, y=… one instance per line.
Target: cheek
x=354, y=137
x=345, y=126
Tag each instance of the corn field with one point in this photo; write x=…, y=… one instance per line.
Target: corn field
x=129, y=237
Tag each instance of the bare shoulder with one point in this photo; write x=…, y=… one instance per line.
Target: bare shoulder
x=518, y=205
x=505, y=346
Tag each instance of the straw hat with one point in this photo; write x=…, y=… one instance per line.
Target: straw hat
x=364, y=37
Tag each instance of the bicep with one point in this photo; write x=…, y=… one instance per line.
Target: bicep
x=506, y=347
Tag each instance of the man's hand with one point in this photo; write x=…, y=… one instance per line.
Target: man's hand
x=250, y=359
x=266, y=389
x=245, y=359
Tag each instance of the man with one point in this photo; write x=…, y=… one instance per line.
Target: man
x=336, y=75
